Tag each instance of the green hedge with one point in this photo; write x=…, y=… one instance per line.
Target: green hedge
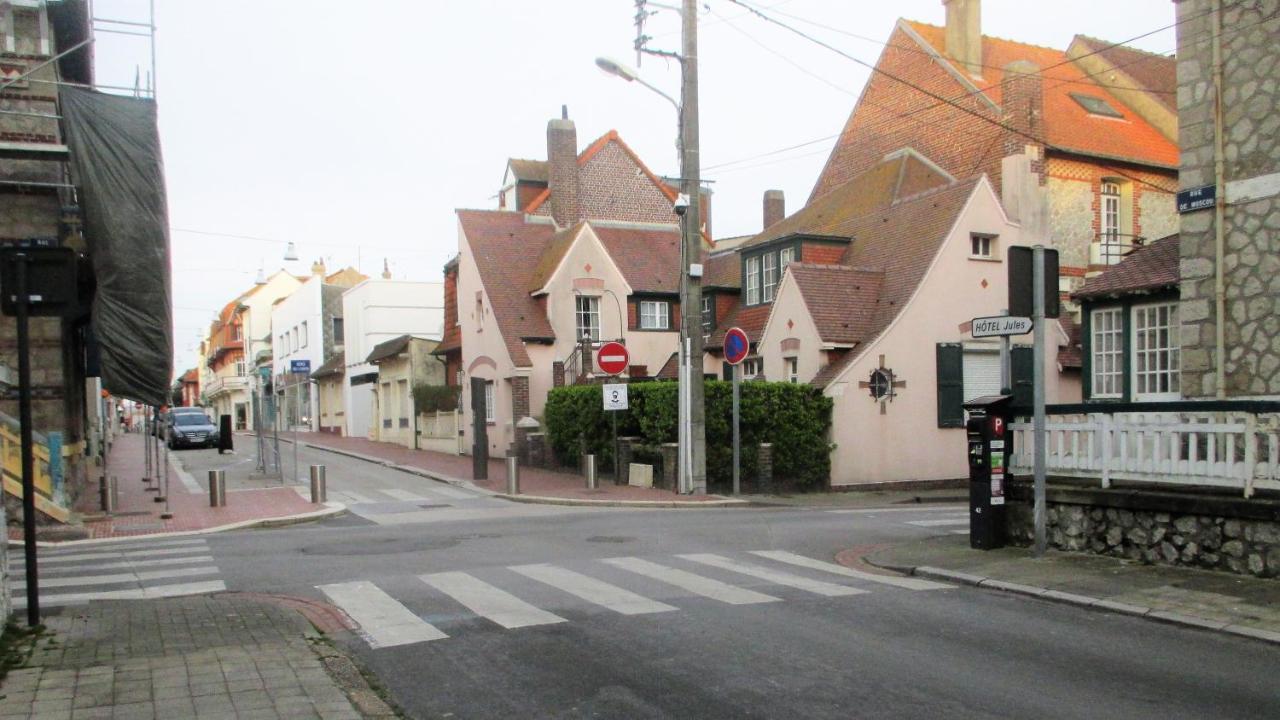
x=430, y=398
x=795, y=418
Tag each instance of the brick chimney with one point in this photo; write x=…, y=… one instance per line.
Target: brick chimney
x=775, y=207
x=562, y=169
x=1022, y=97
x=1022, y=182
x=964, y=33
x=317, y=267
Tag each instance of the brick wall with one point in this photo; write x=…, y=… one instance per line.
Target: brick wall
x=520, y=409
x=822, y=254
x=562, y=171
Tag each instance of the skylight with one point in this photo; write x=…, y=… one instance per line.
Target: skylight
x=1096, y=105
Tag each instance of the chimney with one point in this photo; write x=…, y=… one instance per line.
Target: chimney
x=317, y=267
x=1022, y=96
x=964, y=33
x=386, y=270
x=775, y=207
x=562, y=169
x=1022, y=182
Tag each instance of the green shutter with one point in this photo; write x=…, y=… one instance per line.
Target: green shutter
x=1023, y=361
x=950, y=385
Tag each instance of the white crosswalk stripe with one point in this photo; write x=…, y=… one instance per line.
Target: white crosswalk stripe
x=159, y=562
x=488, y=601
x=696, y=584
x=351, y=497
x=806, y=562
x=592, y=590
x=384, y=622
x=81, y=557
x=913, y=509
x=451, y=492
x=145, y=593
x=778, y=577
x=82, y=580
x=940, y=522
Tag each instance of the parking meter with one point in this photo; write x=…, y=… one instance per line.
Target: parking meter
x=989, y=445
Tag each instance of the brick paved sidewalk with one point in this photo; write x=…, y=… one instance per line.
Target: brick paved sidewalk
x=220, y=657
x=137, y=513
x=533, y=481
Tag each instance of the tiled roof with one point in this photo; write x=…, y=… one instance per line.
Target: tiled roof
x=451, y=342
x=751, y=319
x=600, y=186
x=551, y=256
x=648, y=258
x=388, y=348
x=529, y=170
x=1151, y=267
x=191, y=376
x=502, y=244
x=722, y=270
x=670, y=369
x=335, y=365
x=832, y=370
x=841, y=300
x=1158, y=74
x=1071, y=355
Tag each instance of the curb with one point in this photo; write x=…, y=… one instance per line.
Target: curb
x=1088, y=601
x=331, y=510
x=529, y=499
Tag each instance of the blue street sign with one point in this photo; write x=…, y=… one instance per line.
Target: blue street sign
x=300, y=367
x=1200, y=198
x=736, y=346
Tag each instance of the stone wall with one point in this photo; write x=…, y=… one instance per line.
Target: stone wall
x=6, y=603
x=1071, y=220
x=1234, y=535
x=1251, y=260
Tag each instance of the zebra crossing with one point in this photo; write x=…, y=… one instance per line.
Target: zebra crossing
x=433, y=493
x=120, y=571
x=952, y=519
x=531, y=595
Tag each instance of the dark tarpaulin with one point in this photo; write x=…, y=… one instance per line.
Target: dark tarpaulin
x=115, y=155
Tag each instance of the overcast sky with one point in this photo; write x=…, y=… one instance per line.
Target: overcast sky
x=355, y=128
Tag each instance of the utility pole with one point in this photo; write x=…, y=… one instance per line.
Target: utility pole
x=691, y=312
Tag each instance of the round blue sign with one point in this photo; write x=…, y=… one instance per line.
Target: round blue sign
x=736, y=346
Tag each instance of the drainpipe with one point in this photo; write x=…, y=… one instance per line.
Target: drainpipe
x=413, y=404
x=1219, y=211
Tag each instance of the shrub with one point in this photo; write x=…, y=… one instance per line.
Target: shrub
x=432, y=398
x=795, y=418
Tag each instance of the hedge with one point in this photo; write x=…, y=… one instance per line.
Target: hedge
x=795, y=418
x=432, y=398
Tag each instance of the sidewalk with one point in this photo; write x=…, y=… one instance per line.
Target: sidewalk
x=219, y=657
x=137, y=513
x=1216, y=601
x=536, y=484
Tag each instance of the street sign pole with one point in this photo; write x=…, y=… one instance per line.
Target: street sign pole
x=737, y=375
x=1006, y=363
x=1038, y=423
x=28, y=454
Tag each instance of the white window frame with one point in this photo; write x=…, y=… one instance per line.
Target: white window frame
x=708, y=313
x=1106, y=379
x=237, y=333
x=303, y=334
x=785, y=256
x=982, y=246
x=586, y=314
x=655, y=315
x=751, y=368
x=769, y=285
x=1110, y=221
x=753, y=280
x=1155, y=345
x=793, y=369
x=489, y=404
x=242, y=367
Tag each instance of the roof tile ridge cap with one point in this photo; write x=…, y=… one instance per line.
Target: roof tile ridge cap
x=953, y=185
x=653, y=177
x=823, y=266
x=597, y=145
x=1108, y=45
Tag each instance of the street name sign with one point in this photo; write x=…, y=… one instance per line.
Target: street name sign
x=300, y=367
x=615, y=396
x=612, y=358
x=1001, y=325
x=736, y=345
x=1200, y=198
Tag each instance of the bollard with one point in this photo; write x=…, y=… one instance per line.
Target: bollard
x=589, y=470
x=107, y=493
x=319, y=493
x=217, y=488
x=513, y=475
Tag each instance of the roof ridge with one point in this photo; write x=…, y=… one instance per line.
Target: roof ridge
x=954, y=184
x=1108, y=45
x=991, y=37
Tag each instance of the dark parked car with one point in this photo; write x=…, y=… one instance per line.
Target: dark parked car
x=192, y=430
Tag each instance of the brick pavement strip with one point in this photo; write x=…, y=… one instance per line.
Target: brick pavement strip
x=210, y=656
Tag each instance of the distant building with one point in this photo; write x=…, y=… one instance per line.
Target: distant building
x=403, y=363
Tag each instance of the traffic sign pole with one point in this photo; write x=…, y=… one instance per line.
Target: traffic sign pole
x=1038, y=420
x=736, y=348
x=737, y=375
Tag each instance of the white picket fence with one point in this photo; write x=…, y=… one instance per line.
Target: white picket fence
x=1219, y=449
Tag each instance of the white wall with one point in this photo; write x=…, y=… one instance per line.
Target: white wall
x=303, y=306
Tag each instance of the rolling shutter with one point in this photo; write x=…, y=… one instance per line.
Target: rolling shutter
x=981, y=374
x=950, y=385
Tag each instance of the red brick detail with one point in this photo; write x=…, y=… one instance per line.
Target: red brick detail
x=633, y=314
x=725, y=303
x=562, y=171
x=520, y=409
x=821, y=254
x=327, y=618
x=451, y=296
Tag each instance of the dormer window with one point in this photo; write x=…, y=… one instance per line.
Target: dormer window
x=753, y=281
x=1096, y=105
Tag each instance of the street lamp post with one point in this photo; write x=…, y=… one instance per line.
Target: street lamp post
x=693, y=458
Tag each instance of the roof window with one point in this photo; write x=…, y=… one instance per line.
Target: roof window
x=1096, y=105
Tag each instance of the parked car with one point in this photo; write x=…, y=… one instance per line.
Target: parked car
x=192, y=429
x=162, y=426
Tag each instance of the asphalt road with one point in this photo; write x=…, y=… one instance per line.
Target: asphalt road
x=606, y=613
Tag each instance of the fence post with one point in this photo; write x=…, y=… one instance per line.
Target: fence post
x=1105, y=429
x=1250, y=451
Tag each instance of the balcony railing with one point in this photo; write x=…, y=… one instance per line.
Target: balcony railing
x=1227, y=444
x=1111, y=248
x=228, y=383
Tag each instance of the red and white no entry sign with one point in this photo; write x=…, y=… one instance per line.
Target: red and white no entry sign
x=612, y=358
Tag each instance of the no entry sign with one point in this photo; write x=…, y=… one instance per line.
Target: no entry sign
x=612, y=358
x=736, y=345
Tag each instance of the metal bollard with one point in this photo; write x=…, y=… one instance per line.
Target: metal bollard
x=217, y=488
x=319, y=493
x=107, y=495
x=513, y=475
x=589, y=470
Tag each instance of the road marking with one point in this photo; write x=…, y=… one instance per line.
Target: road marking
x=383, y=621
x=940, y=523
x=806, y=562
x=63, y=569
x=696, y=584
x=488, y=601
x=356, y=497
x=403, y=495
x=450, y=492
x=876, y=511
x=592, y=590
x=818, y=587
x=86, y=580
x=147, y=593
x=121, y=555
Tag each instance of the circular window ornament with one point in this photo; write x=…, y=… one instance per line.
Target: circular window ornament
x=880, y=383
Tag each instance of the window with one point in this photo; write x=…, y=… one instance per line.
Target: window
x=588, y=317
x=337, y=331
x=1155, y=352
x=786, y=255
x=241, y=368
x=385, y=400
x=770, y=276
x=793, y=369
x=405, y=399
x=237, y=332
x=980, y=371
x=708, y=317
x=750, y=368
x=655, y=315
x=753, y=280
x=304, y=334
x=1096, y=105
x=1106, y=341
x=488, y=401
x=1110, y=213
x=982, y=246
x=293, y=339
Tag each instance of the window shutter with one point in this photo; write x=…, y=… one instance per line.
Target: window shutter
x=950, y=385
x=727, y=371
x=1023, y=362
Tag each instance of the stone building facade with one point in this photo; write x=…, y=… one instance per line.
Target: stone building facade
x=1246, y=361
